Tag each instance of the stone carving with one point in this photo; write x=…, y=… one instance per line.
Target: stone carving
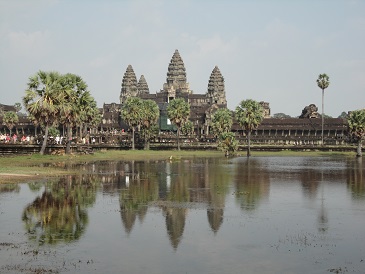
x=216, y=91
x=310, y=111
x=176, y=75
x=266, y=107
x=142, y=86
x=129, y=85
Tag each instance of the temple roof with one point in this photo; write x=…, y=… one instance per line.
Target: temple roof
x=216, y=81
x=142, y=86
x=176, y=70
x=129, y=82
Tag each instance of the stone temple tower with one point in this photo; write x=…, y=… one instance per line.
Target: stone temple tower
x=129, y=85
x=142, y=86
x=216, y=91
x=176, y=77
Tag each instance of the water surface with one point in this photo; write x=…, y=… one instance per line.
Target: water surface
x=257, y=215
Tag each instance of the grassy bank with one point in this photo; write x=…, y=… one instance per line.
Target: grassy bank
x=35, y=166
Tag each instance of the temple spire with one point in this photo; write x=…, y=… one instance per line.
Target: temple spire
x=216, y=90
x=129, y=84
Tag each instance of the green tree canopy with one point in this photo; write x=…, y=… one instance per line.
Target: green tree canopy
x=42, y=100
x=10, y=120
x=222, y=121
x=150, y=114
x=178, y=112
x=356, y=122
x=132, y=114
x=249, y=114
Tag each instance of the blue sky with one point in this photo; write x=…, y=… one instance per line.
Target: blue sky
x=269, y=51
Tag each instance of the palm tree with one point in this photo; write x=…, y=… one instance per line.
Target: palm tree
x=222, y=121
x=323, y=83
x=227, y=143
x=131, y=113
x=356, y=122
x=150, y=114
x=178, y=112
x=249, y=115
x=10, y=119
x=42, y=100
x=72, y=94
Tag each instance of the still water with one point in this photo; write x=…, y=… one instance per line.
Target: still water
x=257, y=215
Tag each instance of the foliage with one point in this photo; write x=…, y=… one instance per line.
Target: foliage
x=131, y=114
x=42, y=100
x=149, y=117
x=222, y=121
x=53, y=131
x=10, y=119
x=18, y=107
x=356, y=123
x=249, y=115
x=188, y=128
x=343, y=115
x=281, y=115
x=323, y=81
x=178, y=112
x=227, y=143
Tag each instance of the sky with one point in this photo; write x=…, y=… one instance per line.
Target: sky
x=266, y=50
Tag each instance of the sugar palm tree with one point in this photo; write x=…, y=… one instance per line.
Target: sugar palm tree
x=150, y=114
x=249, y=114
x=178, y=112
x=131, y=113
x=10, y=119
x=356, y=122
x=42, y=100
x=222, y=121
x=72, y=92
x=323, y=83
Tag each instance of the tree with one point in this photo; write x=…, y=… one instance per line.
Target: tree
x=281, y=115
x=131, y=113
x=343, y=115
x=18, y=107
x=356, y=122
x=150, y=114
x=222, y=121
x=188, y=128
x=323, y=83
x=227, y=143
x=10, y=119
x=42, y=100
x=74, y=99
x=249, y=115
x=178, y=112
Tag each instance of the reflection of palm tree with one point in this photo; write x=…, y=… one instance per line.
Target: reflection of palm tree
x=322, y=217
x=251, y=183
x=355, y=178
x=59, y=214
x=9, y=188
x=51, y=220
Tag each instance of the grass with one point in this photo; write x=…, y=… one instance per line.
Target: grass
x=36, y=166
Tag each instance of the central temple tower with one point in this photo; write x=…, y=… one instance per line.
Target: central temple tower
x=176, y=77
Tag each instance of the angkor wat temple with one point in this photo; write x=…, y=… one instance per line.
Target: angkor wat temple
x=306, y=129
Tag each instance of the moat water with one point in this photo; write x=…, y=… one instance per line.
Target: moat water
x=239, y=215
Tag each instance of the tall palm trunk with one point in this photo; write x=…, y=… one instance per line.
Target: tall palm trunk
x=133, y=131
x=248, y=143
x=69, y=138
x=178, y=138
x=44, y=144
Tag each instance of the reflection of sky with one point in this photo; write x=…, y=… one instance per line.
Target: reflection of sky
x=279, y=236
